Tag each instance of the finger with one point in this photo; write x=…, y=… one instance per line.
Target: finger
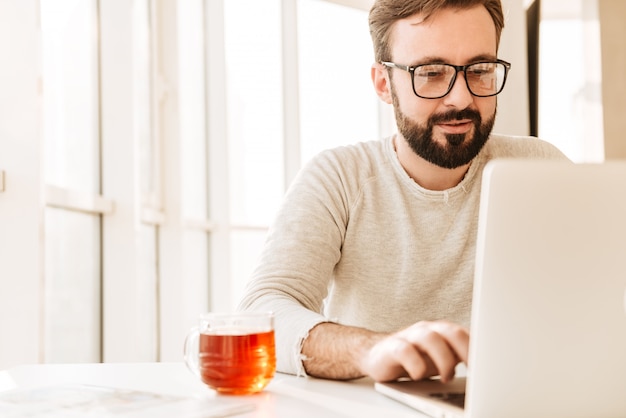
x=456, y=336
x=433, y=346
x=379, y=362
x=412, y=361
x=393, y=358
x=445, y=343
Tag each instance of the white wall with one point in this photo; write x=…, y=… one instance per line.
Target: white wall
x=513, y=114
x=21, y=206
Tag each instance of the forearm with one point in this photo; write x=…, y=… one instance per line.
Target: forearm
x=424, y=349
x=336, y=351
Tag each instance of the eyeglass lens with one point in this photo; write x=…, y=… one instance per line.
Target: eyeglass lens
x=435, y=80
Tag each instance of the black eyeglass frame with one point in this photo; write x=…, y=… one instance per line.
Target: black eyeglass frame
x=411, y=70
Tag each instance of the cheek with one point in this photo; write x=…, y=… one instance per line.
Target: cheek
x=415, y=108
x=425, y=109
x=487, y=107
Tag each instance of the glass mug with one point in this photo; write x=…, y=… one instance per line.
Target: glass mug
x=233, y=353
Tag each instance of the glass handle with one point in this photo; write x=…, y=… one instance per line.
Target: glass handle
x=191, y=350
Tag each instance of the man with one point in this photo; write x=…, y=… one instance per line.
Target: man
x=369, y=264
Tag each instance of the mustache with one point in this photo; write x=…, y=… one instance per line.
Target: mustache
x=453, y=115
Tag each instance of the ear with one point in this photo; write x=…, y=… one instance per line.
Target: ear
x=380, y=78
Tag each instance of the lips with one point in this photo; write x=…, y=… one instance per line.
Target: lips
x=456, y=126
x=455, y=122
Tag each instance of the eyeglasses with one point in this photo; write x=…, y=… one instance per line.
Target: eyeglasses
x=434, y=81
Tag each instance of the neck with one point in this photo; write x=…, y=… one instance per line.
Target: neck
x=424, y=173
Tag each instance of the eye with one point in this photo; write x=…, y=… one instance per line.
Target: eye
x=480, y=69
x=431, y=72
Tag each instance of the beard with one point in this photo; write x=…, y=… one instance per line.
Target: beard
x=458, y=149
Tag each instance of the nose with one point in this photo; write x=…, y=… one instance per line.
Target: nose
x=459, y=96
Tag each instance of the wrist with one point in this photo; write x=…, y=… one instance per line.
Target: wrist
x=337, y=351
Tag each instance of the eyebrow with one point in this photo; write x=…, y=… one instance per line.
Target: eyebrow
x=439, y=60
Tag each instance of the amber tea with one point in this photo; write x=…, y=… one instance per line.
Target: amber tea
x=233, y=353
x=235, y=363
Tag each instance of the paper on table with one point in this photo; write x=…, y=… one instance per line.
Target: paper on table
x=73, y=400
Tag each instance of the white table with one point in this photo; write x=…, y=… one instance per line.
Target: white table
x=286, y=396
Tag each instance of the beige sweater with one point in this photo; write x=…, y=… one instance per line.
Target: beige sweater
x=358, y=242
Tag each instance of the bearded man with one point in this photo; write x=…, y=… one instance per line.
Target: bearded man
x=369, y=263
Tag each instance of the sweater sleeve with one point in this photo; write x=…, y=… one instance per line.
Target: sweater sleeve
x=302, y=248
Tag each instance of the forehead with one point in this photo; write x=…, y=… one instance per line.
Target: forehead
x=455, y=36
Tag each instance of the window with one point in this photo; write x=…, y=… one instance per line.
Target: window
x=570, y=79
x=71, y=171
x=292, y=70
x=338, y=103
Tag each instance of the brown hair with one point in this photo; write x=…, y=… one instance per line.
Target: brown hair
x=384, y=13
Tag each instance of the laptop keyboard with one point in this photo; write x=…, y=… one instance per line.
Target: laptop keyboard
x=454, y=398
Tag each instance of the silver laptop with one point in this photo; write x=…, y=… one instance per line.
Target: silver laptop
x=548, y=332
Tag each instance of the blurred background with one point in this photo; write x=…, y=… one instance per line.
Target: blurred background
x=145, y=146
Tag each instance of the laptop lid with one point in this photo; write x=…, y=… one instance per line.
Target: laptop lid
x=548, y=332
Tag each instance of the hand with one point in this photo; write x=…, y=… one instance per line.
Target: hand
x=422, y=350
